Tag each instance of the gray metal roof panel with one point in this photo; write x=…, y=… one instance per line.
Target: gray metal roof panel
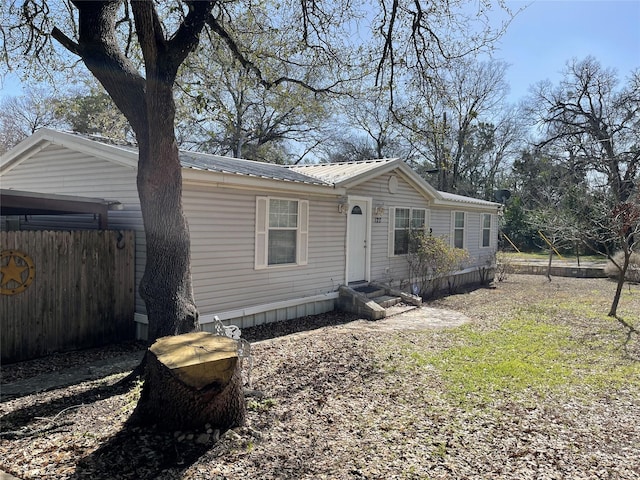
x=236, y=166
x=335, y=173
x=215, y=163
x=464, y=199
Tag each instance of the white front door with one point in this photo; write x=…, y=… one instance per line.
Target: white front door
x=357, y=248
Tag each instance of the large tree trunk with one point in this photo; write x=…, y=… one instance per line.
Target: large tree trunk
x=192, y=380
x=166, y=284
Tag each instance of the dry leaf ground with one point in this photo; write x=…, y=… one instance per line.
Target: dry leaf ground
x=539, y=385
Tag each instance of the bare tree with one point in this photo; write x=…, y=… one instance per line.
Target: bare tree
x=594, y=220
x=366, y=128
x=22, y=115
x=224, y=111
x=615, y=226
x=451, y=123
x=592, y=121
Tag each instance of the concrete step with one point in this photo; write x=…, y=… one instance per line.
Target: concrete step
x=379, y=300
x=386, y=301
x=370, y=291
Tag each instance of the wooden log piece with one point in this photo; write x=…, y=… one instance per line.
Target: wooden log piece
x=192, y=380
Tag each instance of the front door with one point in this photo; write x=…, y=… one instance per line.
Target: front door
x=357, y=248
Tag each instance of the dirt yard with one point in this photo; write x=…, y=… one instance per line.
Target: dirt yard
x=341, y=398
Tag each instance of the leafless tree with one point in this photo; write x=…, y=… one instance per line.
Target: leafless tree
x=593, y=122
x=22, y=115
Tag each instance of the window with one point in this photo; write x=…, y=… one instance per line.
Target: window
x=281, y=232
x=485, y=218
x=283, y=229
x=403, y=221
x=458, y=229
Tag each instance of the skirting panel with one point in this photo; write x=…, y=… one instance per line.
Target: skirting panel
x=259, y=314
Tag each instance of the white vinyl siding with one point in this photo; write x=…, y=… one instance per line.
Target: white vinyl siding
x=281, y=232
x=385, y=266
x=223, y=224
x=458, y=225
x=225, y=228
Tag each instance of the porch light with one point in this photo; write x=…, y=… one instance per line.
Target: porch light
x=343, y=206
x=378, y=210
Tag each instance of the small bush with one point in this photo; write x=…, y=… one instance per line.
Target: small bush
x=431, y=260
x=633, y=272
x=503, y=266
x=487, y=271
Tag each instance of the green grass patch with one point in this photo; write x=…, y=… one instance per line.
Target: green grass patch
x=530, y=355
x=520, y=355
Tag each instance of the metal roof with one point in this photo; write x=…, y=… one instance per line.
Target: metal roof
x=464, y=199
x=335, y=173
x=236, y=166
x=342, y=175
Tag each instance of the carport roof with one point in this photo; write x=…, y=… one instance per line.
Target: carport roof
x=18, y=202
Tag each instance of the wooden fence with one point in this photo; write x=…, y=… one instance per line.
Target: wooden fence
x=65, y=291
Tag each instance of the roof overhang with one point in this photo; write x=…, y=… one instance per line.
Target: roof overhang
x=128, y=157
x=452, y=200
x=17, y=202
x=398, y=166
x=211, y=179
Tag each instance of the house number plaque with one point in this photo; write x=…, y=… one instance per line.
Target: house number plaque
x=16, y=272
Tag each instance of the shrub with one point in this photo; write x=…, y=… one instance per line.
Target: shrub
x=486, y=271
x=633, y=272
x=503, y=266
x=431, y=260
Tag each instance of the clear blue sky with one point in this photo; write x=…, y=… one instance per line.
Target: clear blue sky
x=548, y=33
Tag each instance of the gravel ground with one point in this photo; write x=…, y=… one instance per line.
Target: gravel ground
x=331, y=407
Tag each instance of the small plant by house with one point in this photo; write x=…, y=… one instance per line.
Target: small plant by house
x=432, y=261
x=485, y=271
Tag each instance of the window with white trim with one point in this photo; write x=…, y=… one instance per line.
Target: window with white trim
x=485, y=240
x=458, y=224
x=281, y=232
x=402, y=222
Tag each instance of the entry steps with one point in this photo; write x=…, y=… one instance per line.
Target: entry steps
x=375, y=300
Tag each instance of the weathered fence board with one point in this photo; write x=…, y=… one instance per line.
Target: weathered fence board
x=81, y=294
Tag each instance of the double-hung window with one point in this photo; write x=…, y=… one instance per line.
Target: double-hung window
x=457, y=227
x=485, y=219
x=281, y=232
x=402, y=222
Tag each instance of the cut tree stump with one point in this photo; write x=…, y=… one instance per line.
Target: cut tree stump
x=192, y=380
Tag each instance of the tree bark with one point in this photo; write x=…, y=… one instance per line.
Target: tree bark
x=166, y=284
x=622, y=272
x=192, y=380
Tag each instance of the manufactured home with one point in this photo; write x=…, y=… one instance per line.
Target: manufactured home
x=269, y=242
